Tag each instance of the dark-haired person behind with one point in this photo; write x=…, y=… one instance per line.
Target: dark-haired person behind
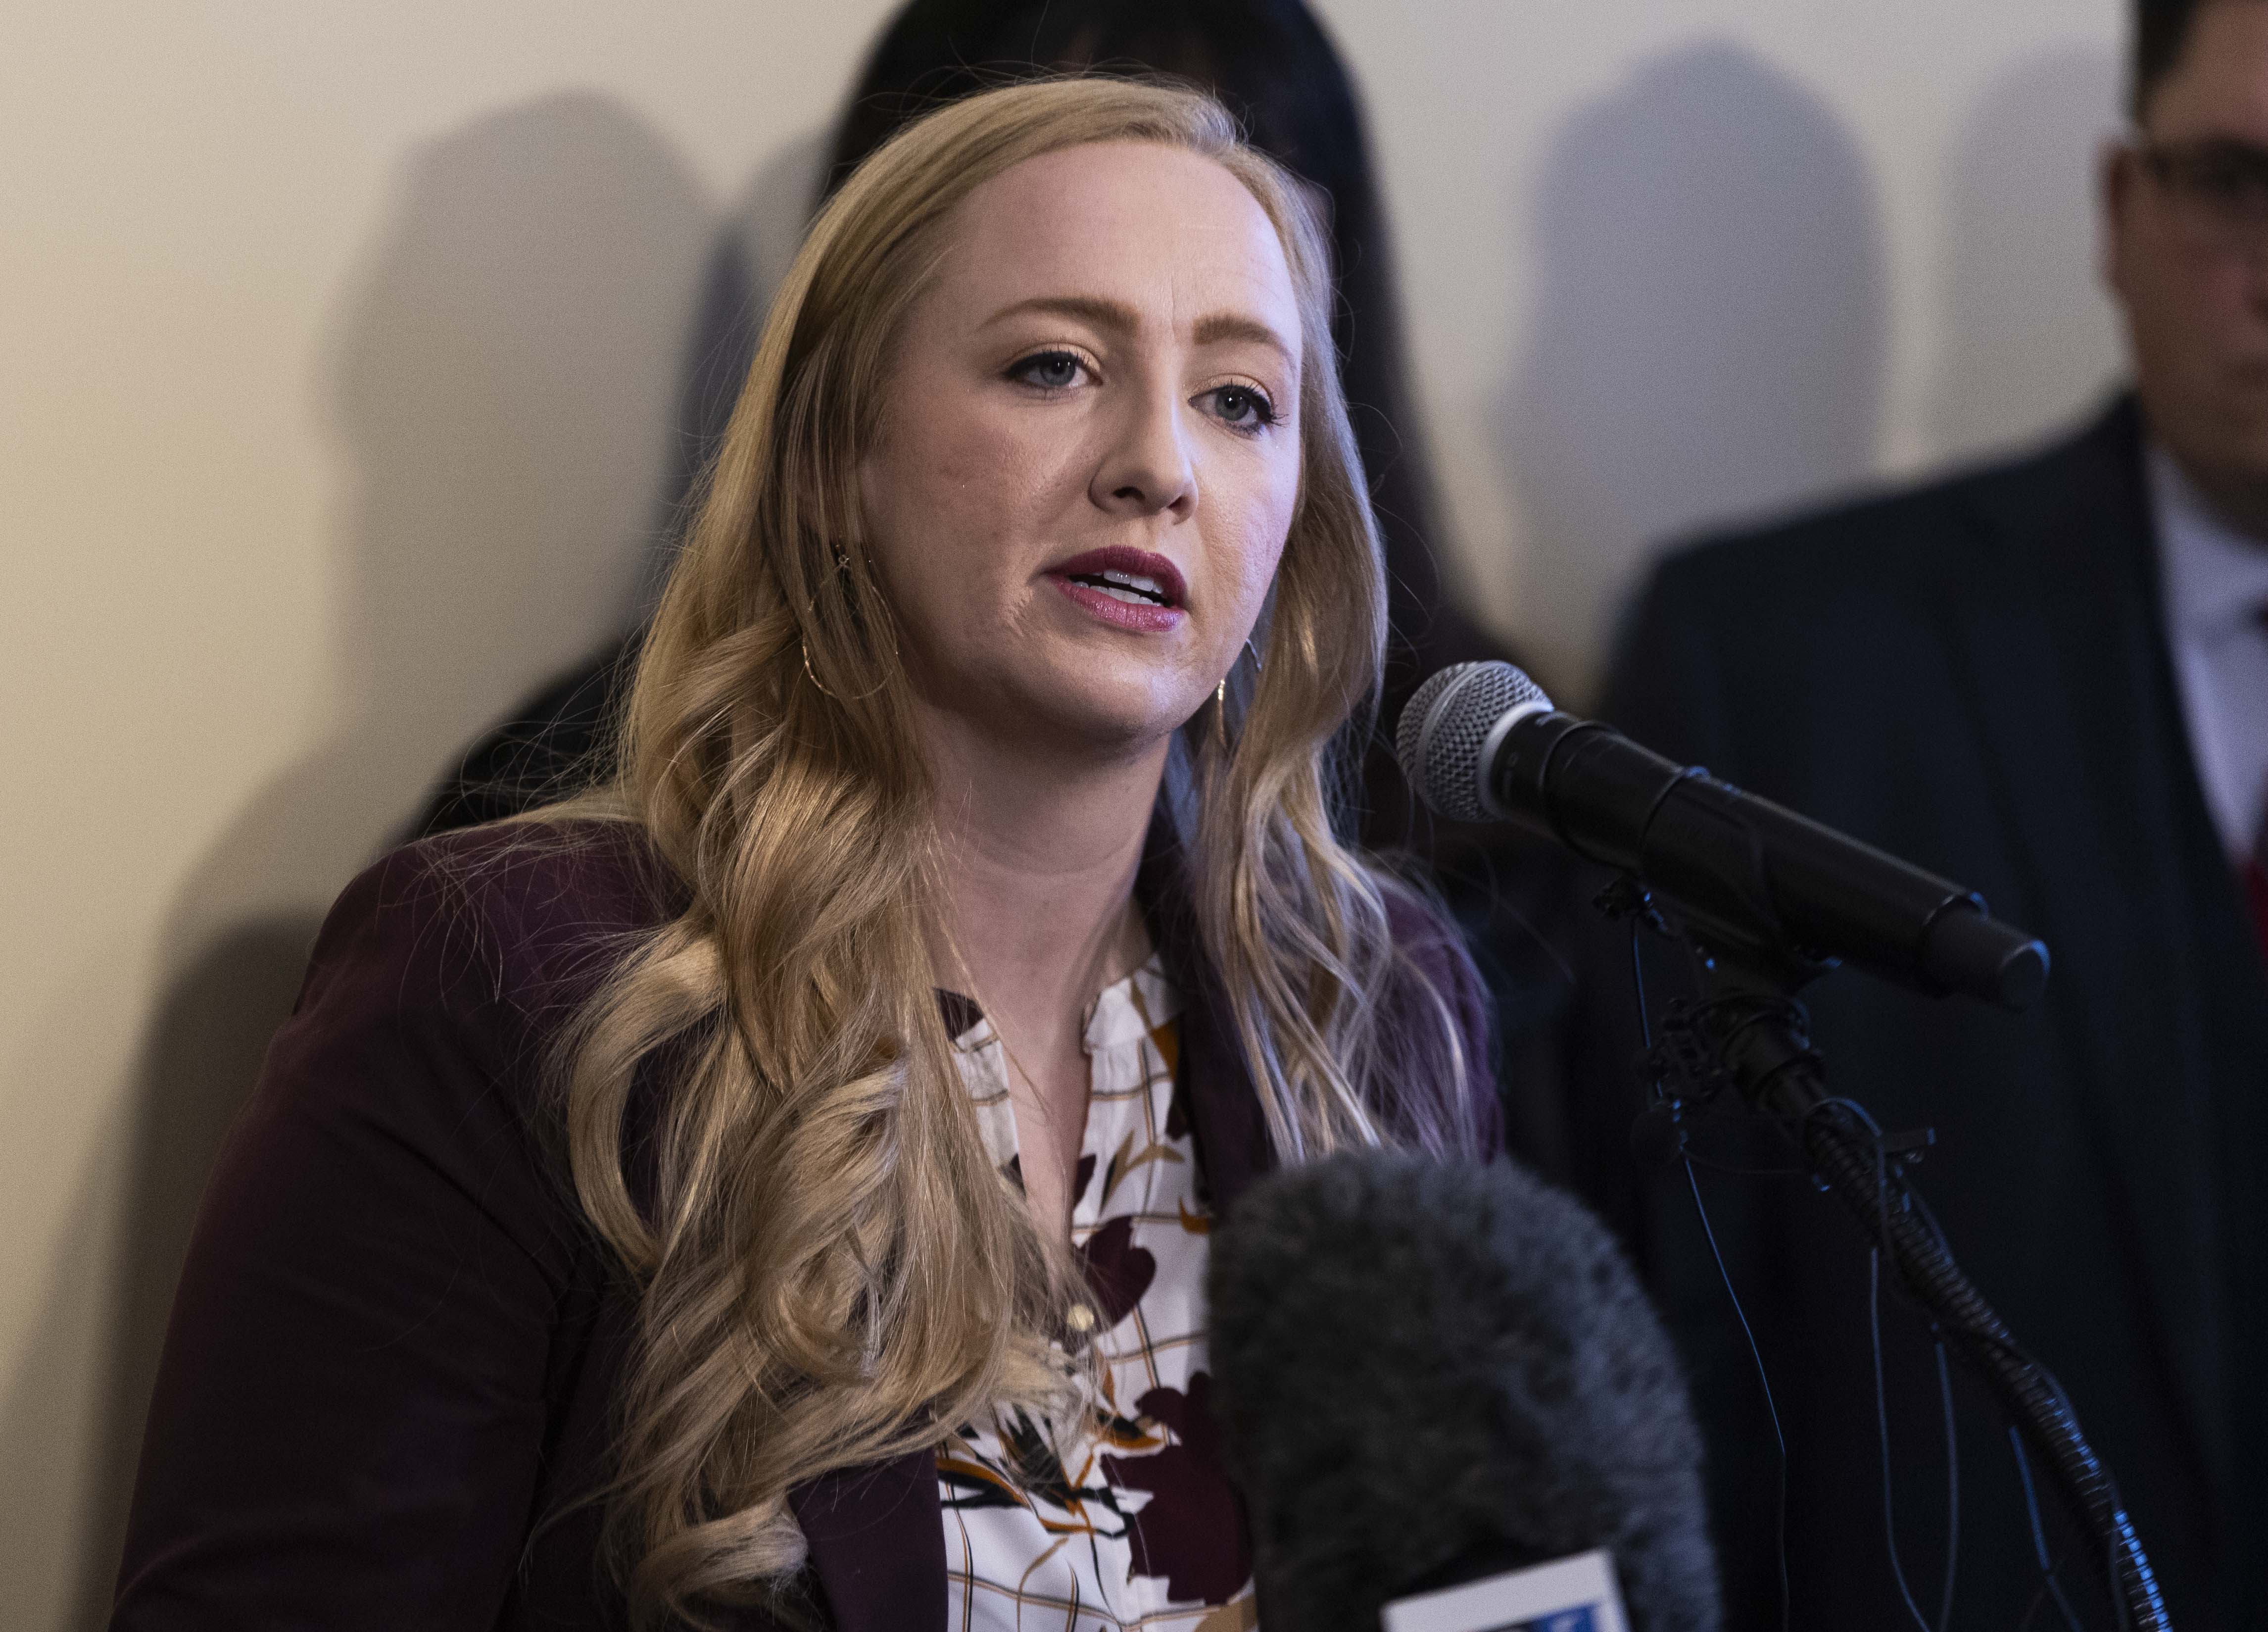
x=775, y=1187
x=2047, y=678
x=1271, y=63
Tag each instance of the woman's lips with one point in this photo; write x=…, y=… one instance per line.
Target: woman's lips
x=1127, y=588
x=1134, y=614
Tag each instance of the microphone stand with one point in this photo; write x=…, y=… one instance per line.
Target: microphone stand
x=1749, y=1031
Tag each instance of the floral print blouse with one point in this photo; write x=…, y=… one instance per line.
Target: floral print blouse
x=1125, y=1519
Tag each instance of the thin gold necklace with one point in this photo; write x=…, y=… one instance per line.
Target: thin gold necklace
x=1080, y=1316
x=992, y=1016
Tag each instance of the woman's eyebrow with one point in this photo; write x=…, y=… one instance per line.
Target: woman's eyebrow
x=1103, y=313
x=1232, y=326
x=1118, y=318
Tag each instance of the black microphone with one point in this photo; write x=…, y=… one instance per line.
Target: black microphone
x=1481, y=741
x=1430, y=1373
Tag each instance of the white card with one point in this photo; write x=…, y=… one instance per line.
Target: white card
x=1574, y=1594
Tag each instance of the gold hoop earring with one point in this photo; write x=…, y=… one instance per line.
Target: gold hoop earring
x=1220, y=692
x=807, y=675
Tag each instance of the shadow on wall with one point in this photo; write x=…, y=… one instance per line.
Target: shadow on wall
x=502, y=383
x=506, y=387
x=2031, y=338
x=746, y=263
x=1707, y=329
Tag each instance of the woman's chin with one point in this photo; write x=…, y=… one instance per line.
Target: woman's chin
x=1108, y=716
x=1086, y=704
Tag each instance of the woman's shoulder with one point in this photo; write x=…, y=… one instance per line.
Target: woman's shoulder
x=475, y=947
x=1421, y=927
x=389, y=1277
x=1429, y=945
x=515, y=916
x=1425, y=935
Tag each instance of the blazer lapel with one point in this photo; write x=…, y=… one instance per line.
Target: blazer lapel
x=1210, y=1078
x=1226, y=1122
x=877, y=1539
x=2070, y=684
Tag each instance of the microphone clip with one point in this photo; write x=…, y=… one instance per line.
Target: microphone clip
x=1690, y=1066
x=1627, y=899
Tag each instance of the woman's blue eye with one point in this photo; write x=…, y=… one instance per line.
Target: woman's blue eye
x=1052, y=370
x=1243, y=408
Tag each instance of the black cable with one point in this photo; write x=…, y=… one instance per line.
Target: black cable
x=1748, y=1032
x=2004, y=1344
x=2003, y=1341
x=1952, y=1483
x=1882, y=1423
x=1779, y=1440
x=1742, y=1035
x=2032, y=1604
x=2039, y=1535
x=1881, y=1399
x=1764, y=1380
x=1874, y=1332
x=2030, y=1396
x=1638, y=984
x=1731, y=1171
x=1860, y=1113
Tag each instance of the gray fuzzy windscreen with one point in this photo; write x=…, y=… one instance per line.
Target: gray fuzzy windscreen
x=1427, y=1372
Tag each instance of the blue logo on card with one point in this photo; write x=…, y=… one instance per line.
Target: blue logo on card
x=1565, y=1621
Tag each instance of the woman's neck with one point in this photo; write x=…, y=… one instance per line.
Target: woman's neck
x=1038, y=849
x=1038, y=860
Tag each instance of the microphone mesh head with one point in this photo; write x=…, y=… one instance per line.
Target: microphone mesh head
x=1444, y=727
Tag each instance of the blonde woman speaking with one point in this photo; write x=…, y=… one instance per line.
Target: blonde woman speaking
x=773, y=1189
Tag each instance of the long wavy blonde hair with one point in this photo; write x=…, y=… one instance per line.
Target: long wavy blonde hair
x=764, y=1120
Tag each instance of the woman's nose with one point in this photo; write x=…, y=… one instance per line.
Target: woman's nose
x=1146, y=468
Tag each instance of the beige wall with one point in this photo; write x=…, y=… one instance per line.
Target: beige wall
x=337, y=350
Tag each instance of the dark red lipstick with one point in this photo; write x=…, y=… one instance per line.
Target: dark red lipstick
x=1131, y=588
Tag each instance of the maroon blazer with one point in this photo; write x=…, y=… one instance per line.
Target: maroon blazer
x=389, y=1392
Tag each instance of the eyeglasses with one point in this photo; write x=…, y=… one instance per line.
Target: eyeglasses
x=2218, y=188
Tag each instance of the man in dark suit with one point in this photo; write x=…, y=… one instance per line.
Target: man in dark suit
x=2048, y=680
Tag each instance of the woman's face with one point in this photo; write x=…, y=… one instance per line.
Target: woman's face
x=1090, y=451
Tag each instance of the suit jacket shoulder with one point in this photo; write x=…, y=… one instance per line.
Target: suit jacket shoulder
x=1869, y=603
x=1973, y=673
x=1909, y=537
